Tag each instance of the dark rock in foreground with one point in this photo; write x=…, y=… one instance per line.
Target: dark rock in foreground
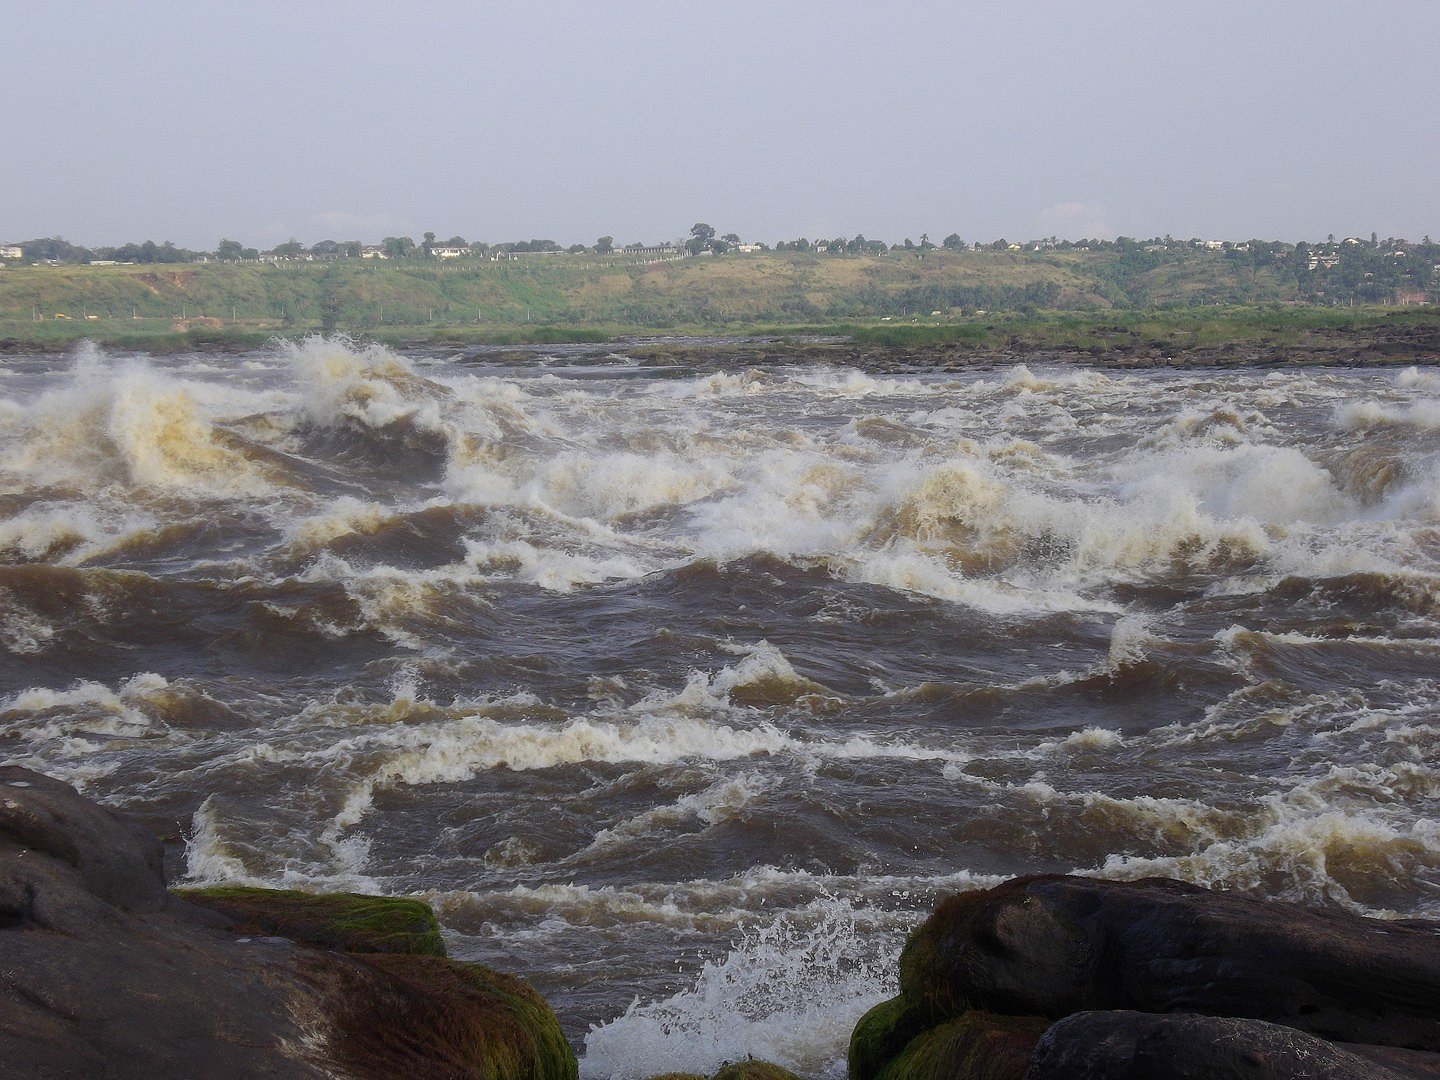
x=1146, y=1046
x=753, y=1070
x=107, y=974
x=750, y=1069
x=1154, y=979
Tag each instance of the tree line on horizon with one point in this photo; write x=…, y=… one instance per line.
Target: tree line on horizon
x=702, y=237
x=1330, y=271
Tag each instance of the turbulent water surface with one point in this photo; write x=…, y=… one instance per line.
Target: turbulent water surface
x=685, y=692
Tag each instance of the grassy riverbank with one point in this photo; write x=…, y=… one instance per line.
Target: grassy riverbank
x=980, y=302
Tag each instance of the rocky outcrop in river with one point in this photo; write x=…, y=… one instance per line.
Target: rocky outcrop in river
x=1059, y=977
x=108, y=974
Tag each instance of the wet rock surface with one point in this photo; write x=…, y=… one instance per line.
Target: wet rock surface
x=1145, y=1046
x=349, y=922
x=105, y=973
x=1158, y=978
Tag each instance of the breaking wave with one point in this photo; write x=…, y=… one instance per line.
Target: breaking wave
x=789, y=992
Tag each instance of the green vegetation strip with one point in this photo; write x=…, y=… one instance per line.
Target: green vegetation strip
x=350, y=922
x=1076, y=298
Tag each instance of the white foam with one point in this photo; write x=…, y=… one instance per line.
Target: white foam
x=1304, y=854
x=1413, y=378
x=720, y=384
x=122, y=422
x=344, y=516
x=700, y=722
x=214, y=857
x=788, y=992
x=460, y=749
x=721, y=801
x=997, y=523
x=763, y=672
x=611, y=485
x=88, y=730
x=371, y=385
x=208, y=858
x=1088, y=738
x=703, y=904
x=906, y=568
x=1423, y=414
x=1021, y=380
x=550, y=568
x=24, y=632
x=1221, y=426
x=1247, y=483
x=93, y=702
x=850, y=383
x=40, y=531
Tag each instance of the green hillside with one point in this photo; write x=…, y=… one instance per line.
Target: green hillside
x=584, y=297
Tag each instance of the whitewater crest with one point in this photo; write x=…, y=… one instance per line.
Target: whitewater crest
x=122, y=423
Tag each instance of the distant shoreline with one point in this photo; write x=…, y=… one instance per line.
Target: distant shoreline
x=1213, y=338
x=1126, y=305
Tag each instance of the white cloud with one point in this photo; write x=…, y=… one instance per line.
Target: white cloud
x=1074, y=221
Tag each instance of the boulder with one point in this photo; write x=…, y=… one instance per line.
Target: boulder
x=1154, y=978
x=392, y=1015
x=749, y=1069
x=753, y=1070
x=883, y=1033
x=895, y=1041
x=107, y=974
x=975, y=1045
x=92, y=859
x=1051, y=946
x=1145, y=1046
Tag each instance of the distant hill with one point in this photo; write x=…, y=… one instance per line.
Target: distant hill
x=588, y=293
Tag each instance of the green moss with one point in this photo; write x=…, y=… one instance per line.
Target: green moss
x=753, y=1070
x=397, y=1015
x=349, y=922
x=881, y=1035
x=976, y=1046
x=401, y=1007
x=543, y=1041
x=930, y=1030
x=922, y=975
x=929, y=975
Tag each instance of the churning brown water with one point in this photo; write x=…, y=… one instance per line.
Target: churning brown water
x=696, y=686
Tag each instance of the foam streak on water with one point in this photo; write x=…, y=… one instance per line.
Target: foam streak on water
x=687, y=691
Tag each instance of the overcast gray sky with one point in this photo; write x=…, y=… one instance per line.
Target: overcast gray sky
x=568, y=120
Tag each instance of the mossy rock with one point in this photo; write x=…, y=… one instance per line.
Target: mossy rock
x=882, y=1034
x=975, y=1046
x=920, y=960
x=389, y=1015
x=753, y=1070
x=348, y=922
x=678, y=1076
x=1010, y=949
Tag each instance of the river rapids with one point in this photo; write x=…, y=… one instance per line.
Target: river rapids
x=685, y=691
